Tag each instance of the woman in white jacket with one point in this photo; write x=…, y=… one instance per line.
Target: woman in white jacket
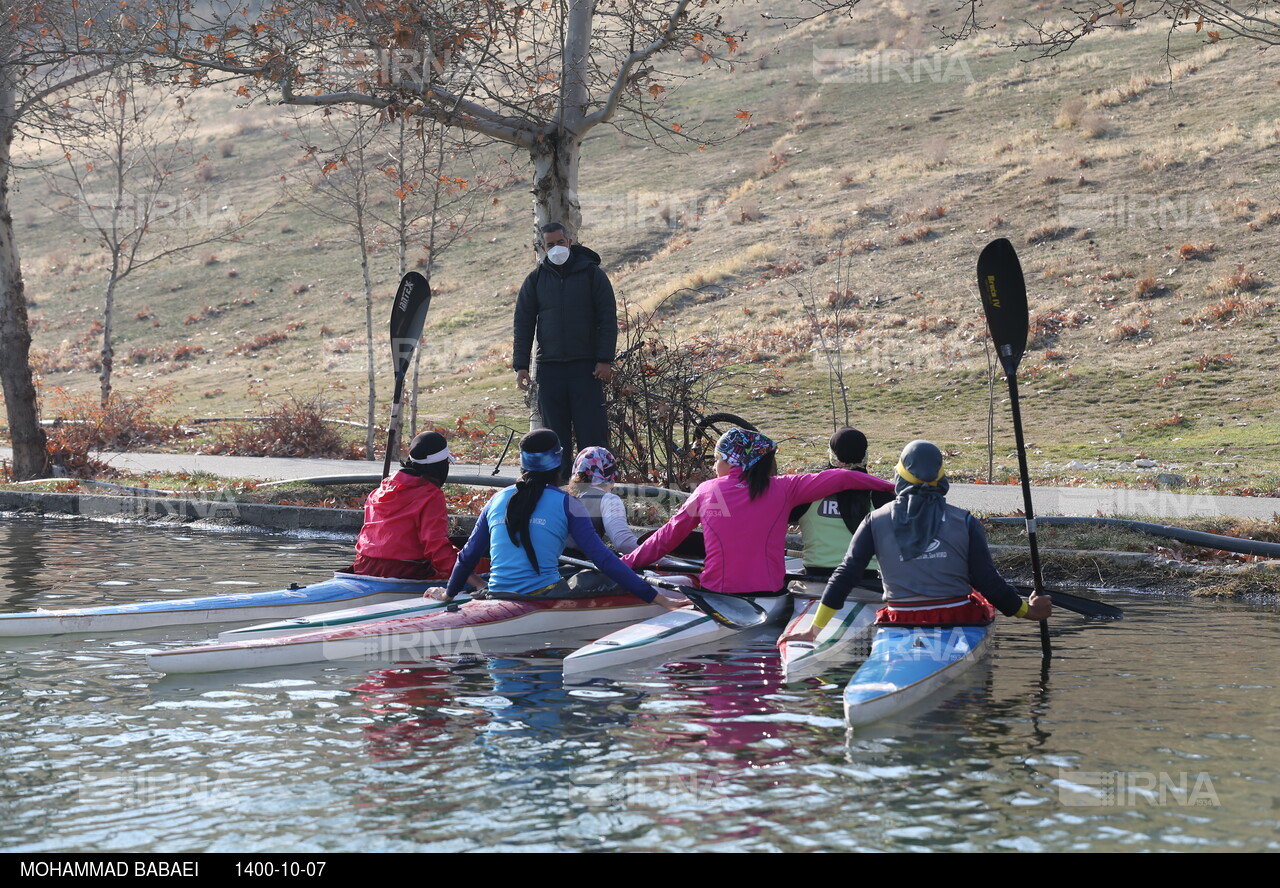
x=594, y=472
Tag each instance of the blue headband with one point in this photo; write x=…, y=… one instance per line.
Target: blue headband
x=541, y=462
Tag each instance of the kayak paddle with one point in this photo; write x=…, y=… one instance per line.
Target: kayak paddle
x=1086, y=607
x=1004, y=299
x=732, y=611
x=870, y=591
x=408, y=316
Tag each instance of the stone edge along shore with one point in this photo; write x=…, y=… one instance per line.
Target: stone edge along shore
x=186, y=510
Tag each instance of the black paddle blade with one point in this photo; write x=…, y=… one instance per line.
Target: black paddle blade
x=733, y=611
x=408, y=316
x=1086, y=607
x=1004, y=298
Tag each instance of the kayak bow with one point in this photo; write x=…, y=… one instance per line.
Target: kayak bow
x=907, y=664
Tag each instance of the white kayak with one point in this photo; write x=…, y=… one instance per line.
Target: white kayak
x=909, y=663
x=458, y=630
x=342, y=589
x=666, y=633
x=846, y=636
x=350, y=616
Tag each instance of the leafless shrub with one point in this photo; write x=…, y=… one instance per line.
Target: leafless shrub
x=85, y=426
x=936, y=149
x=296, y=426
x=1094, y=126
x=1071, y=113
x=1044, y=328
x=1047, y=233
x=1196, y=251
x=662, y=389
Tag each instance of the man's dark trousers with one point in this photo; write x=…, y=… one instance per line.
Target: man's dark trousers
x=571, y=400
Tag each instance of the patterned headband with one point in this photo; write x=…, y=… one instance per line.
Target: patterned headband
x=597, y=464
x=743, y=449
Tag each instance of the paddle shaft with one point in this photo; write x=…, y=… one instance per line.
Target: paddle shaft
x=1037, y=577
x=393, y=427
x=870, y=591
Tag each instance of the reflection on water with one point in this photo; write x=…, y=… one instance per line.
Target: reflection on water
x=1158, y=732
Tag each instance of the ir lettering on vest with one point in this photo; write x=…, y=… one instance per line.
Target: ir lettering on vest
x=829, y=509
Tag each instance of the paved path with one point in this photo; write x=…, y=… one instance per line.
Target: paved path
x=1153, y=505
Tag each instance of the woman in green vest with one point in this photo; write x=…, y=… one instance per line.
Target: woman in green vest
x=827, y=525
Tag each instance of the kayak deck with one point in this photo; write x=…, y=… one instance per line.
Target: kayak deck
x=387, y=610
x=457, y=630
x=907, y=664
x=664, y=634
x=342, y=588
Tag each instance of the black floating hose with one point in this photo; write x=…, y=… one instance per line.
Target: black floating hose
x=1194, y=537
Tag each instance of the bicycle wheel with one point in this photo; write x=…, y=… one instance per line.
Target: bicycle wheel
x=716, y=424
x=702, y=456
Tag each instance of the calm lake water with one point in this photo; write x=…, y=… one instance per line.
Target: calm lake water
x=1160, y=732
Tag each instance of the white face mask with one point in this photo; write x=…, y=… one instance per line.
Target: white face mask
x=558, y=254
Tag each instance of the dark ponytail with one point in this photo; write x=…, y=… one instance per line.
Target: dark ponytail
x=758, y=475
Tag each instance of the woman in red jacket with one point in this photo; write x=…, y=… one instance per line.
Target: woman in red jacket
x=406, y=520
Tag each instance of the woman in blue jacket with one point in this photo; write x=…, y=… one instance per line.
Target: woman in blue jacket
x=523, y=529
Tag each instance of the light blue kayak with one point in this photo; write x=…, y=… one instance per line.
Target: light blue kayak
x=907, y=664
x=343, y=589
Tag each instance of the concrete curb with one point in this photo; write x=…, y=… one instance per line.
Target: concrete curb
x=181, y=510
x=177, y=509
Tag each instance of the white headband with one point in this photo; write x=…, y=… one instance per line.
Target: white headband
x=438, y=456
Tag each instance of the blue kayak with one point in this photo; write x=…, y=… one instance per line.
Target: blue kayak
x=343, y=590
x=907, y=664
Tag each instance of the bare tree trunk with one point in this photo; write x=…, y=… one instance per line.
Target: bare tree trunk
x=555, y=159
x=30, y=457
x=108, y=348
x=108, y=323
x=368, y=332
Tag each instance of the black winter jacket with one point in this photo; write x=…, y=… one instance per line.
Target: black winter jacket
x=571, y=308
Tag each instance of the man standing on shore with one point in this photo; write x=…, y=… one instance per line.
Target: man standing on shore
x=567, y=302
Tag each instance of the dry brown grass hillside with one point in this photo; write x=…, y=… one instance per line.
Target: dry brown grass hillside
x=1141, y=193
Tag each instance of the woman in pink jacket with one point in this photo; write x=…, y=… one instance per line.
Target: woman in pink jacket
x=743, y=512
